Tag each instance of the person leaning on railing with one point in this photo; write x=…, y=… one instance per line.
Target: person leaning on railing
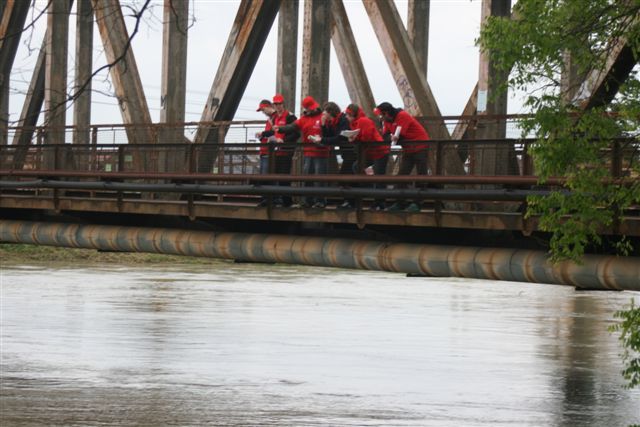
x=284, y=149
x=402, y=128
x=265, y=137
x=375, y=156
x=316, y=156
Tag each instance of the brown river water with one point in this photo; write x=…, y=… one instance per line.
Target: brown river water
x=273, y=345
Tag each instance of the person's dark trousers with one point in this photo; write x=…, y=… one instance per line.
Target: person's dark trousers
x=348, y=167
x=379, y=168
x=348, y=160
x=283, y=166
x=315, y=166
x=264, y=169
x=408, y=161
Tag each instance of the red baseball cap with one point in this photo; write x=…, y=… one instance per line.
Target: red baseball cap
x=377, y=111
x=264, y=103
x=278, y=99
x=309, y=103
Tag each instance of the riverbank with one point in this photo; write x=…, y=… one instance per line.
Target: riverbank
x=17, y=253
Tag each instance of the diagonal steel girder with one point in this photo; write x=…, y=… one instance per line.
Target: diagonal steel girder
x=398, y=50
x=246, y=40
x=408, y=75
x=13, y=14
x=124, y=70
x=349, y=58
x=601, y=85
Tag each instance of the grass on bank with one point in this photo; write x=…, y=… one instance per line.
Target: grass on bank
x=18, y=253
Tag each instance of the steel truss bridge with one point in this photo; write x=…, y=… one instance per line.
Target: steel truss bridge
x=201, y=177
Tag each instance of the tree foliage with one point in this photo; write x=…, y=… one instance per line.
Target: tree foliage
x=545, y=40
x=629, y=329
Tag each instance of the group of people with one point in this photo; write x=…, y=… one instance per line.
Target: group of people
x=323, y=129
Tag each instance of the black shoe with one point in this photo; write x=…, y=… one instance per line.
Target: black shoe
x=262, y=203
x=319, y=205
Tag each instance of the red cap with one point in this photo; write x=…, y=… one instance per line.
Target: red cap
x=309, y=103
x=264, y=103
x=278, y=99
x=377, y=112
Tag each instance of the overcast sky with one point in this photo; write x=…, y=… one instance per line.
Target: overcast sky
x=452, y=73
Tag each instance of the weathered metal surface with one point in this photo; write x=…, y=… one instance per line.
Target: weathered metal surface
x=390, y=179
x=84, y=69
x=349, y=58
x=287, y=52
x=55, y=78
x=124, y=71
x=492, y=160
x=462, y=128
x=14, y=15
x=597, y=272
x=418, y=30
x=399, y=53
x=248, y=34
x=410, y=81
x=501, y=195
x=173, y=88
x=32, y=106
x=174, y=64
x=316, y=49
x=603, y=82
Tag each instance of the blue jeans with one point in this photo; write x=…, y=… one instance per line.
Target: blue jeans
x=315, y=166
x=379, y=168
x=264, y=164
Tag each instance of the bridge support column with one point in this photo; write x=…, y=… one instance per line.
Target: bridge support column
x=492, y=159
x=84, y=66
x=287, y=52
x=316, y=49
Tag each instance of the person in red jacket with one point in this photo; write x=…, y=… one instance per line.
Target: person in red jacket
x=265, y=137
x=316, y=156
x=283, y=144
x=402, y=128
x=375, y=156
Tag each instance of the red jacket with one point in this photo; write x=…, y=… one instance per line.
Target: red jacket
x=281, y=120
x=411, y=130
x=310, y=125
x=268, y=128
x=369, y=133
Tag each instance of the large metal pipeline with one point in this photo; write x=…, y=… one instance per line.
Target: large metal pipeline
x=597, y=272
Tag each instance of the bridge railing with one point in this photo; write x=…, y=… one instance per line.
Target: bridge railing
x=237, y=151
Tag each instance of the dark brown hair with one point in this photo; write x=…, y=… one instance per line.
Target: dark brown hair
x=331, y=108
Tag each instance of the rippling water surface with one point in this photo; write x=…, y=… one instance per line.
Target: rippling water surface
x=246, y=344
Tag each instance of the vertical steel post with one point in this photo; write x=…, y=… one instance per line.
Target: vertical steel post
x=287, y=52
x=316, y=48
x=84, y=65
x=492, y=159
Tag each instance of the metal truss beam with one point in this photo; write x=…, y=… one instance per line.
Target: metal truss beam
x=398, y=50
x=84, y=65
x=418, y=29
x=316, y=49
x=287, y=51
x=601, y=85
x=246, y=40
x=14, y=16
x=123, y=71
x=349, y=58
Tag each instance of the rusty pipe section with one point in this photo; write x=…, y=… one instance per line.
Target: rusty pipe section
x=597, y=272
